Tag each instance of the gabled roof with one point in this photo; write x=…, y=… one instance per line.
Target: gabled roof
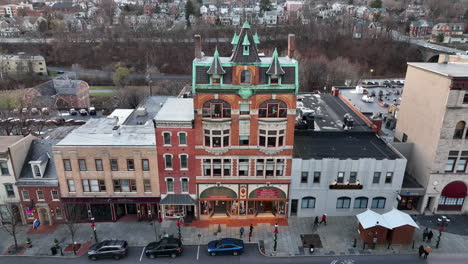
x=396, y=218
x=275, y=67
x=248, y=40
x=256, y=39
x=216, y=67
x=235, y=39
x=370, y=219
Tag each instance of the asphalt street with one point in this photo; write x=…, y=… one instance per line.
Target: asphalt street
x=250, y=256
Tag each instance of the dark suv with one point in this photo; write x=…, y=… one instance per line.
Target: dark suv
x=165, y=247
x=116, y=249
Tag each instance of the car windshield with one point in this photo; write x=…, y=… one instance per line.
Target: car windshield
x=237, y=242
x=218, y=243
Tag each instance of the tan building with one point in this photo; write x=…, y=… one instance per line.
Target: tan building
x=433, y=117
x=107, y=168
x=19, y=64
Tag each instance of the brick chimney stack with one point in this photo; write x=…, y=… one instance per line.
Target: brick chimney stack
x=291, y=45
x=198, y=50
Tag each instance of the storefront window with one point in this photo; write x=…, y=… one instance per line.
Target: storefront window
x=174, y=210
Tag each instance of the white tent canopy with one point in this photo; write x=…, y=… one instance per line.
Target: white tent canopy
x=393, y=219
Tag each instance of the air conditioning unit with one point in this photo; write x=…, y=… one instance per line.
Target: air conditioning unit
x=141, y=111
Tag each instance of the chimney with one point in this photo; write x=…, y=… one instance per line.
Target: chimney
x=291, y=45
x=198, y=51
x=444, y=58
x=116, y=131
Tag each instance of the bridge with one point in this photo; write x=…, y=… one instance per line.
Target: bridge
x=429, y=51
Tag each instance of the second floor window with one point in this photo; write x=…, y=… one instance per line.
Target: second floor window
x=10, y=192
x=67, y=165
x=168, y=161
x=376, y=178
x=273, y=109
x=352, y=177
x=54, y=194
x=216, y=167
x=182, y=138
x=216, y=109
x=99, y=165
x=170, y=185
x=114, y=164
x=25, y=195
x=167, y=138
x=94, y=185
x=340, y=177
x=40, y=195
x=71, y=186
x=304, y=176
x=185, y=185
x=184, y=161
x=243, y=167
x=130, y=165
x=82, y=164
x=317, y=176
x=389, y=177
x=4, y=169
x=125, y=186
x=216, y=138
x=145, y=165
x=269, y=167
x=147, y=185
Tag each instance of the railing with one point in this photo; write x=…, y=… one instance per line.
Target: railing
x=344, y=186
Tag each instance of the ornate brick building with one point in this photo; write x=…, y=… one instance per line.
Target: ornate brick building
x=245, y=109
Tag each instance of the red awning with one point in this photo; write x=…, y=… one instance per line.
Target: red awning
x=455, y=190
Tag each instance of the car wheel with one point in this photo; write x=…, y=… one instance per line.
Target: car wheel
x=93, y=258
x=235, y=253
x=213, y=254
x=152, y=256
x=116, y=257
x=173, y=255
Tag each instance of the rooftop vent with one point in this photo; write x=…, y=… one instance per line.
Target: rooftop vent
x=141, y=111
x=116, y=131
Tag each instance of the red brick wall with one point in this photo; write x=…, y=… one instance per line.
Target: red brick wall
x=402, y=235
x=175, y=150
x=368, y=234
x=53, y=204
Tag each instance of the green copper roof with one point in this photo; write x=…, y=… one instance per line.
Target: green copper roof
x=275, y=67
x=246, y=25
x=246, y=41
x=256, y=39
x=216, y=67
x=235, y=39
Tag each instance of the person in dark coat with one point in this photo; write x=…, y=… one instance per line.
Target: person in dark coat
x=421, y=251
x=425, y=232
x=316, y=221
x=241, y=231
x=427, y=251
x=429, y=236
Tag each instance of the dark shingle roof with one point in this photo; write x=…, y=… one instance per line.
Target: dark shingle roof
x=180, y=199
x=245, y=37
x=216, y=67
x=275, y=67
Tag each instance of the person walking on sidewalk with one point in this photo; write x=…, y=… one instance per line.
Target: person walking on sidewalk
x=421, y=250
x=316, y=222
x=425, y=232
x=250, y=232
x=241, y=231
x=427, y=251
x=324, y=219
x=429, y=236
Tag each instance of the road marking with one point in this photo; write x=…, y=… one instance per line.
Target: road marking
x=334, y=261
x=142, y=253
x=198, y=251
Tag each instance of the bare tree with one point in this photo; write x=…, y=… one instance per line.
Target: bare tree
x=131, y=97
x=72, y=224
x=10, y=219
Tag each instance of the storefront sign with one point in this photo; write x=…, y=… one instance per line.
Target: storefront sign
x=267, y=193
x=219, y=196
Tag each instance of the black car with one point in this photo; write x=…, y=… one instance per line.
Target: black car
x=116, y=249
x=165, y=247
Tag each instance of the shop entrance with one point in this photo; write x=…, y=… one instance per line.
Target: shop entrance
x=125, y=209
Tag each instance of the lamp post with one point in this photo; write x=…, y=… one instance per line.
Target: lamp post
x=442, y=228
x=93, y=226
x=276, y=237
x=178, y=224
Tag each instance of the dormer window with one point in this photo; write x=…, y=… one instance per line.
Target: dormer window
x=37, y=171
x=246, y=77
x=274, y=79
x=246, y=50
x=216, y=79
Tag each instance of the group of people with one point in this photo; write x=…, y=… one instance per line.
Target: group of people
x=242, y=230
x=424, y=251
x=324, y=220
x=427, y=236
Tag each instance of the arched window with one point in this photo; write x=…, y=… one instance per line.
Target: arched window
x=459, y=130
x=378, y=203
x=361, y=202
x=308, y=202
x=273, y=108
x=246, y=77
x=343, y=202
x=37, y=171
x=216, y=109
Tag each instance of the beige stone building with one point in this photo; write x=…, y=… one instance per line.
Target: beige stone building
x=107, y=168
x=433, y=117
x=20, y=64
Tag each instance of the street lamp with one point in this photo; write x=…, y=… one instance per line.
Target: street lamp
x=371, y=71
x=178, y=224
x=93, y=226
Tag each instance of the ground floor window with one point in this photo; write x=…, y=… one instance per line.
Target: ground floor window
x=173, y=210
x=451, y=201
x=308, y=202
x=343, y=202
x=378, y=203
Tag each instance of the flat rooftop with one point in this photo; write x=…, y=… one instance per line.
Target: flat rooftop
x=354, y=96
x=450, y=69
x=341, y=145
x=176, y=109
x=329, y=112
x=152, y=105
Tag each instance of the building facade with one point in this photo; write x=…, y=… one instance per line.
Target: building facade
x=175, y=141
x=245, y=108
x=13, y=151
x=22, y=64
x=433, y=117
x=107, y=168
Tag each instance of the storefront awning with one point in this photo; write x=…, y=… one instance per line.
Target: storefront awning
x=455, y=190
x=177, y=199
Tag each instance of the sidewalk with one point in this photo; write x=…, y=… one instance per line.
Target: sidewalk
x=336, y=237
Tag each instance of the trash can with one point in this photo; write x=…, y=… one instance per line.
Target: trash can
x=53, y=250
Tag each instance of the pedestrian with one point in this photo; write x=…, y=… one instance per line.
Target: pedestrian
x=427, y=251
x=429, y=236
x=316, y=221
x=324, y=219
x=241, y=231
x=425, y=232
x=421, y=250
x=250, y=232
x=276, y=226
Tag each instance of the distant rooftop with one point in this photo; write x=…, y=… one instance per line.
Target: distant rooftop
x=354, y=96
x=7, y=141
x=329, y=111
x=341, y=145
x=176, y=109
x=451, y=69
x=152, y=105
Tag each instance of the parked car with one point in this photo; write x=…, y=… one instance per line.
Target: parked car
x=115, y=249
x=92, y=111
x=165, y=247
x=83, y=112
x=73, y=111
x=226, y=246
